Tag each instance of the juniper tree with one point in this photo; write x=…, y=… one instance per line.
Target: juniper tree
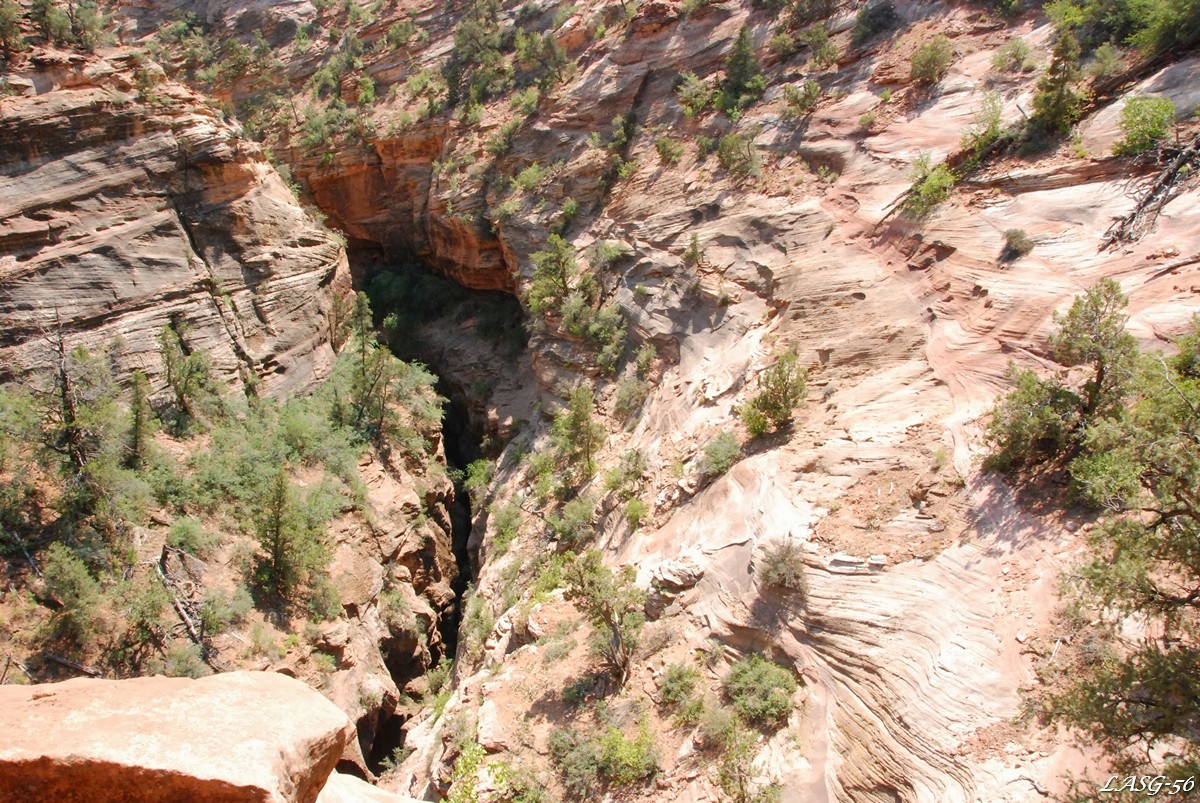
x=609, y=600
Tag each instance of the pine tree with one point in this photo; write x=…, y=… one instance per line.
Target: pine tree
x=141, y=420
x=11, y=41
x=1057, y=104
x=576, y=435
x=744, y=81
x=291, y=548
x=187, y=375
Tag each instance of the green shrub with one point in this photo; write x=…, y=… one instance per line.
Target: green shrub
x=1144, y=120
x=782, y=44
x=931, y=186
x=720, y=454
x=70, y=583
x=573, y=526
x=635, y=511
x=631, y=394
x=824, y=51
x=506, y=522
x=760, y=691
x=219, y=610
x=184, y=661
x=717, y=726
x=1013, y=56
x=1016, y=245
x=801, y=100
x=577, y=759
x=738, y=154
x=624, y=761
x=780, y=388
x=678, y=684
x=695, y=95
x=189, y=535
x=669, y=150
x=1106, y=62
x=782, y=566
x=873, y=19
x=931, y=60
x=528, y=179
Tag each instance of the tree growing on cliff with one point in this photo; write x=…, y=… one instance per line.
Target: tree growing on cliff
x=1057, y=103
x=554, y=268
x=1129, y=433
x=576, y=434
x=610, y=600
x=11, y=41
x=141, y=420
x=780, y=388
x=389, y=402
x=744, y=81
x=1045, y=417
x=288, y=532
x=187, y=375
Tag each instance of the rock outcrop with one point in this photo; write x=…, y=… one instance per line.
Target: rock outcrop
x=128, y=203
x=241, y=736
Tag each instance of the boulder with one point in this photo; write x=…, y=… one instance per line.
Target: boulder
x=241, y=736
x=348, y=789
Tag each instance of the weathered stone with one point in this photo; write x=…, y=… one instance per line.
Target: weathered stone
x=241, y=736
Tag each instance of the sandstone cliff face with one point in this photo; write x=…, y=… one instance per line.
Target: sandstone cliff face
x=122, y=211
x=912, y=663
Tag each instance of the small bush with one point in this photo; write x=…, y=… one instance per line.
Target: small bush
x=573, y=527
x=760, y=691
x=717, y=726
x=931, y=186
x=669, y=150
x=189, y=535
x=781, y=388
x=738, y=154
x=782, y=44
x=1144, y=120
x=635, y=512
x=931, y=60
x=69, y=581
x=1013, y=56
x=824, y=51
x=577, y=759
x=801, y=100
x=506, y=522
x=867, y=120
x=1016, y=245
x=624, y=761
x=695, y=95
x=720, y=454
x=874, y=19
x=782, y=566
x=631, y=394
x=679, y=684
x=528, y=179
x=1106, y=62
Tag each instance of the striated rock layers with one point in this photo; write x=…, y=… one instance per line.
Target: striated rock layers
x=241, y=736
x=128, y=204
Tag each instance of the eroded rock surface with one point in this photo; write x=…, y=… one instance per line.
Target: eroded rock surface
x=123, y=210
x=240, y=736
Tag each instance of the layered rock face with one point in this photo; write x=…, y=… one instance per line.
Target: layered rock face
x=240, y=736
x=123, y=210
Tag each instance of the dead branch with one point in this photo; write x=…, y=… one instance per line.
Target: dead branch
x=1162, y=189
x=67, y=662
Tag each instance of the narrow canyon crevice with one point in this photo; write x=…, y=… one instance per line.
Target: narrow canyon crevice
x=427, y=318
